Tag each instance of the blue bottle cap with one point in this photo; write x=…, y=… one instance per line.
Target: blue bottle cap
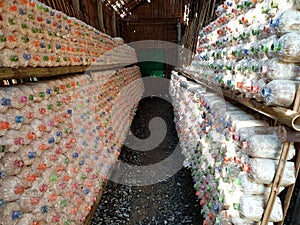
x=44, y=209
x=51, y=140
x=274, y=23
x=266, y=92
x=5, y=102
x=86, y=191
x=16, y=215
x=22, y=11
x=49, y=91
x=2, y=203
x=59, y=134
x=19, y=119
x=32, y=155
x=227, y=124
x=26, y=56
x=216, y=208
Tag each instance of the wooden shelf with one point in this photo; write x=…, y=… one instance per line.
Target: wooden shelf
x=28, y=72
x=285, y=116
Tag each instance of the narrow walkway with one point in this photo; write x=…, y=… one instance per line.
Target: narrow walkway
x=172, y=201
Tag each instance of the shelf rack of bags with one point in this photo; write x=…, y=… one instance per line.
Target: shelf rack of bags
x=287, y=132
x=243, y=56
x=68, y=95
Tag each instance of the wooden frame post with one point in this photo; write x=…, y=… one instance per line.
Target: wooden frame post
x=100, y=15
x=114, y=25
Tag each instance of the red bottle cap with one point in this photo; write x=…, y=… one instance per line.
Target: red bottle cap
x=31, y=177
x=19, y=190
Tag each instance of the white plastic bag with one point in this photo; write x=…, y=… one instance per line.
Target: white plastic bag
x=263, y=171
x=252, y=208
x=267, y=146
x=288, y=47
x=249, y=187
x=279, y=92
x=249, y=123
x=274, y=69
x=288, y=21
x=246, y=132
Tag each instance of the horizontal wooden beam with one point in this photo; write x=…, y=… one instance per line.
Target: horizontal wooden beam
x=29, y=72
x=149, y=18
x=154, y=24
x=285, y=134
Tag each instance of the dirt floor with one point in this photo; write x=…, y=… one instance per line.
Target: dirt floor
x=171, y=201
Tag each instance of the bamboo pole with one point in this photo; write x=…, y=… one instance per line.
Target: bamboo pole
x=72, y=11
x=76, y=7
x=100, y=15
x=213, y=9
x=207, y=13
x=114, y=28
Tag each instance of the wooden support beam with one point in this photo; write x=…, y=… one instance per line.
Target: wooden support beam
x=287, y=135
x=213, y=9
x=207, y=14
x=114, y=25
x=28, y=72
x=100, y=15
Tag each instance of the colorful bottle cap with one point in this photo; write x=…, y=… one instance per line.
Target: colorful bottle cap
x=16, y=214
x=44, y=209
x=6, y=102
x=266, y=92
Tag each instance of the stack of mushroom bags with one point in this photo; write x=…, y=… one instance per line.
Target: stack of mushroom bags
x=58, y=142
x=233, y=155
x=35, y=35
x=252, y=48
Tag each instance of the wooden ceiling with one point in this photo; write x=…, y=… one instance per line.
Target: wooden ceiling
x=123, y=7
